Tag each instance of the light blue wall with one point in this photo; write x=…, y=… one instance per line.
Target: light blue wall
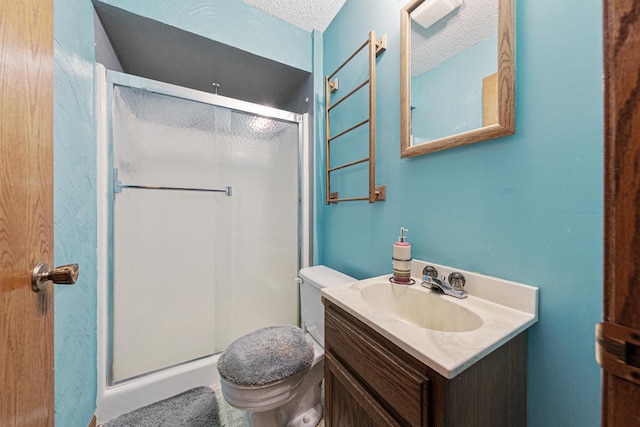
x=448, y=98
x=75, y=216
x=526, y=208
x=75, y=231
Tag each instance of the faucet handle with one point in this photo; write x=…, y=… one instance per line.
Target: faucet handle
x=457, y=280
x=430, y=271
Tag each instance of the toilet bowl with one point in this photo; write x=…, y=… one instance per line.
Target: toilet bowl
x=282, y=390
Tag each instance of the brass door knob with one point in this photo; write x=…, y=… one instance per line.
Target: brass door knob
x=63, y=275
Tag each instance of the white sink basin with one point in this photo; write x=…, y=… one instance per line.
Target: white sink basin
x=445, y=333
x=424, y=309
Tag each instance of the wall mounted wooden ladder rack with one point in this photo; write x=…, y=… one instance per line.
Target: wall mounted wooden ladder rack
x=378, y=193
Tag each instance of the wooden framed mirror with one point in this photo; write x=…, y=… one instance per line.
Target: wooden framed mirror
x=457, y=83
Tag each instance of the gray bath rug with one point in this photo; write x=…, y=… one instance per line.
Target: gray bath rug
x=197, y=407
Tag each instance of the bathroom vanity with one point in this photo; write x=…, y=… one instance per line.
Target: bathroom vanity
x=371, y=381
x=401, y=355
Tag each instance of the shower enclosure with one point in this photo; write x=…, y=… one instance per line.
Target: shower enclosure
x=201, y=226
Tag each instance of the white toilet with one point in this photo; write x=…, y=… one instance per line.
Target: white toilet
x=288, y=394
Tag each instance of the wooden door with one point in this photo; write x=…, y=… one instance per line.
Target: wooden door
x=619, y=348
x=26, y=211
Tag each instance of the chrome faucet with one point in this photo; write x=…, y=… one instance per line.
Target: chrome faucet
x=452, y=286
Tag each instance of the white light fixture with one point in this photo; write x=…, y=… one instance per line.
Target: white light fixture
x=431, y=11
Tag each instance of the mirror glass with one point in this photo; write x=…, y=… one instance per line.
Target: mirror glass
x=458, y=73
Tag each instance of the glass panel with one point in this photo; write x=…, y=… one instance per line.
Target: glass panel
x=263, y=249
x=166, y=242
x=160, y=140
x=195, y=270
x=163, y=293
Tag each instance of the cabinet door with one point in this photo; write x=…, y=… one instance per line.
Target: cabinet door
x=394, y=384
x=348, y=404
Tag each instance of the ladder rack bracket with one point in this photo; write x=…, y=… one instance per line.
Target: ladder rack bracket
x=333, y=86
x=380, y=193
x=381, y=44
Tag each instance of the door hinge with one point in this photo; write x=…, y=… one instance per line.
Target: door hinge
x=618, y=350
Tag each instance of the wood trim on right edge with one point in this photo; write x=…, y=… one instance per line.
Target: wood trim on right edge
x=621, y=304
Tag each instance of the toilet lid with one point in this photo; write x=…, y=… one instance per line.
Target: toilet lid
x=265, y=356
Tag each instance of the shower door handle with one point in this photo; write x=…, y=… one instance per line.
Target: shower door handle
x=63, y=275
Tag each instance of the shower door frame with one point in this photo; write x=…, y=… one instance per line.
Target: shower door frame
x=105, y=82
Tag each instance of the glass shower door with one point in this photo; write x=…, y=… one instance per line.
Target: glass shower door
x=195, y=266
x=261, y=258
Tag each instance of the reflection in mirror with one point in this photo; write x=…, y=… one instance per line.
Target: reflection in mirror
x=458, y=73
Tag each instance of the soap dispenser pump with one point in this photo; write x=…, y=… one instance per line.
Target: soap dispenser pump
x=402, y=259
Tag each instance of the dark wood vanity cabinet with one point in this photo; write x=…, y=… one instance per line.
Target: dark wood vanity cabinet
x=369, y=381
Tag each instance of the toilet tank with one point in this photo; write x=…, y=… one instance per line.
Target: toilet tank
x=312, y=280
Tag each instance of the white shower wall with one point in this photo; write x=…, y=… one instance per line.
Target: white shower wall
x=193, y=270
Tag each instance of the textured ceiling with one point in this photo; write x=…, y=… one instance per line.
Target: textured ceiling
x=306, y=14
x=473, y=22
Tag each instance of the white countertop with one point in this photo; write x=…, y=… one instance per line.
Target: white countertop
x=506, y=309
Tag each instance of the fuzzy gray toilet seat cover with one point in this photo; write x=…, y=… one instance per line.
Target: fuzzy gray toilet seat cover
x=265, y=356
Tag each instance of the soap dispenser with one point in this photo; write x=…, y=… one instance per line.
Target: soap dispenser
x=402, y=260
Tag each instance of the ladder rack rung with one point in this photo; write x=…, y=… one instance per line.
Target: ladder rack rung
x=365, y=121
x=346, y=165
x=349, y=59
x=348, y=199
x=360, y=86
